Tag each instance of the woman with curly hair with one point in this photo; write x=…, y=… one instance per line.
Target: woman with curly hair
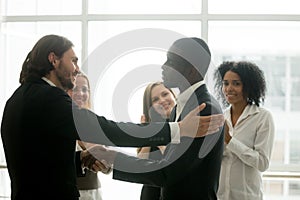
x=249, y=130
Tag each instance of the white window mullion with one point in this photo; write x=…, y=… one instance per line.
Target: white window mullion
x=84, y=32
x=204, y=20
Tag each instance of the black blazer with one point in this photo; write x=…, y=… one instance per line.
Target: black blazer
x=189, y=170
x=39, y=130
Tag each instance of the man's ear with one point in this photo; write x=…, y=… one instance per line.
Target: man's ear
x=195, y=73
x=191, y=71
x=52, y=59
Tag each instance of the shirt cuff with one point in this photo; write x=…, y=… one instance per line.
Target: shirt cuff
x=175, y=132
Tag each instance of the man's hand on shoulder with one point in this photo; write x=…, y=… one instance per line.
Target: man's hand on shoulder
x=194, y=125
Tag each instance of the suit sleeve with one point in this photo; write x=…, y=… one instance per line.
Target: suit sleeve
x=85, y=125
x=179, y=160
x=79, y=170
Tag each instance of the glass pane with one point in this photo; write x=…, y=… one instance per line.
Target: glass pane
x=294, y=188
x=4, y=181
x=279, y=145
x=145, y=7
x=295, y=104
x=273, y=188
x=295, y=91
x=254, y=7
x=295, y=87
x=295, y=65
x=19, y=37
x=255, y=38
x=276, y=73
x=100, y=31
x=43, y=7
x=281, y=189
x=2, y=9
x=276, y=102
x=263, y=43
x=295, y=147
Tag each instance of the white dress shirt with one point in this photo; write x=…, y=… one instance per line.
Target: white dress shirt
x=184, y=97
x=246, y=155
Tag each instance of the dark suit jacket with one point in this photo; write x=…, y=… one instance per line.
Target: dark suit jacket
x=189, y=170
x=39, y=129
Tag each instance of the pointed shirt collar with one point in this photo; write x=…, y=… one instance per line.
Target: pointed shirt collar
x=249, y=110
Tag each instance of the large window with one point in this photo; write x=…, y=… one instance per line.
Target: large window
x=265, y=32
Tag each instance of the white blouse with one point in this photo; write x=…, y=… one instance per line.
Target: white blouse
x=246, y=155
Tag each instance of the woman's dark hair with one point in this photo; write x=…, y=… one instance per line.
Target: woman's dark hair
x=37, y=63
x=252, y=77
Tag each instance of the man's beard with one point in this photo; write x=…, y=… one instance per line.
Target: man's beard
x=67, y=84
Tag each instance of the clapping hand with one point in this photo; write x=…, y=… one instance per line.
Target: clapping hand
x=227, y=137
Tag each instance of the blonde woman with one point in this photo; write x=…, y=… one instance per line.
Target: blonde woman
x=89, y=185
x=158, y=102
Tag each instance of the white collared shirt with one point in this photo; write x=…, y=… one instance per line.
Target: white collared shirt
x=48, y=81
x=184, y=97
x=246, y=155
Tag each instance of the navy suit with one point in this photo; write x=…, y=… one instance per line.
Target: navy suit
x=189, y=170
x=39, y=129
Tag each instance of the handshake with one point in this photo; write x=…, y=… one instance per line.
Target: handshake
x=98, y=158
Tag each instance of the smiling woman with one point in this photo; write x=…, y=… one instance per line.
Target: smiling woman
x=81, y=92
x=89, y=185
x=158, y=103
x=249, y=132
